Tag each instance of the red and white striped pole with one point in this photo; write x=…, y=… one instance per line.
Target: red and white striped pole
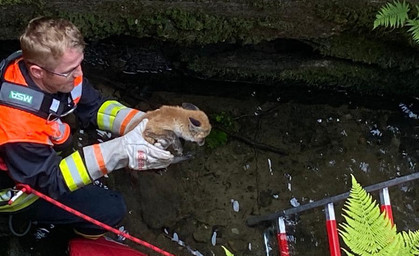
x=332, y=231
x=281, y=237
x=385, y=204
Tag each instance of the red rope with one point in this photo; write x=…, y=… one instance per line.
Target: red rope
x=90, y=219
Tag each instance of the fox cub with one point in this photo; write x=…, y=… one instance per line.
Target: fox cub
x=169, y=123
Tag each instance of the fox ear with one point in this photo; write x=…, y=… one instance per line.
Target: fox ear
x=194, y=122
x=189, y=106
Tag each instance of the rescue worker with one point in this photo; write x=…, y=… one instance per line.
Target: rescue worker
x=40, y=85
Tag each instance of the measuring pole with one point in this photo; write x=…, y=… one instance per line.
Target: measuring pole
x=386, y=204
x=281, y=237
x=332, y=231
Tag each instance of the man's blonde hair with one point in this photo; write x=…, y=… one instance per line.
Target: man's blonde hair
x=45, y=40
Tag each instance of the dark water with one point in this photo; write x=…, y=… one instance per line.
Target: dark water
x=326, y=135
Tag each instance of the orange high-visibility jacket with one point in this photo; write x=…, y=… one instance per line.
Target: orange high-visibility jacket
x=19, y=125
x=27, y=137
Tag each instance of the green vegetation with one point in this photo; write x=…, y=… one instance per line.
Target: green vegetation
x=218, y=137
x=225, y=120
x=396, y=15
x=367, y=231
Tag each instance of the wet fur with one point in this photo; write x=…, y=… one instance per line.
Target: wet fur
x=169, y=123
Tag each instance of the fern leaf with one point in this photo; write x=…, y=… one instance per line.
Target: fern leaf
x=347, y=252
x=414, y=29
x=367, y=231
x=394, y=248
x=410, y=242
x=393, y=15
x=228, y=253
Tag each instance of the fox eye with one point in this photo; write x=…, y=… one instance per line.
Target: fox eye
x=194, y=122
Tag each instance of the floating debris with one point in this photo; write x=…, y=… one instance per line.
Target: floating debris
x=294, y=202
x=266, y=240
x=175, y=238
x=270, y=166
x=236, y=205
x=121, y=238
x=235, y=231
x=289, y=177
x=214, y=238
x=376, y=132
x=407, y=111
x=364, y=166
x=393, y=129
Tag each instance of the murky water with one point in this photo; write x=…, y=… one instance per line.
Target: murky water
x=286, y=147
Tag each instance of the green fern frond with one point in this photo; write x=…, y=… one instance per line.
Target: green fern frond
x=394, y=248
x=367, y=231
x=347, y=252
x=411, y=243
x=414, y=29
x=393, y=15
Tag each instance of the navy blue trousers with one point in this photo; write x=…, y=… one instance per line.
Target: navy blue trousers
x=104, y=205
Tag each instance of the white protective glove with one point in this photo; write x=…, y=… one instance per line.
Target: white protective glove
x=130, y=150
x=143, y=155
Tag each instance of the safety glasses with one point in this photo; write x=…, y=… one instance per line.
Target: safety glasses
x=65, y=75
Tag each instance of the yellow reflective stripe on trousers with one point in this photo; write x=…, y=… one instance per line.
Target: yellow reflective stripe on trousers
x=74, y=172
x=107, y=113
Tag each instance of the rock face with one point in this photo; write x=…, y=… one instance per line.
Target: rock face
x=322, y=43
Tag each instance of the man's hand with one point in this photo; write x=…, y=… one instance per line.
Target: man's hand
x=143, y=155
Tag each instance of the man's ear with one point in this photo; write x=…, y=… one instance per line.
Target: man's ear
x=36, y=71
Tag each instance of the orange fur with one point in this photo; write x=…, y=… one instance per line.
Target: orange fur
x=177, y=120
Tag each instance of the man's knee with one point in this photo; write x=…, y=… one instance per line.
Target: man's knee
x=117, y=208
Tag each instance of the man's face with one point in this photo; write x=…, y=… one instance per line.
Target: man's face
x=61, y=79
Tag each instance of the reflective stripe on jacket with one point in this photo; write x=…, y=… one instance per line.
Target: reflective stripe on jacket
x=115, y=117
x=18, y=125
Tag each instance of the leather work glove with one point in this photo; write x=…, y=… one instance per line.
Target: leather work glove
x=130, y=150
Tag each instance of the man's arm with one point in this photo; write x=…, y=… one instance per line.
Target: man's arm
x=40, y=167
x=104, y=113
x=36, y=165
